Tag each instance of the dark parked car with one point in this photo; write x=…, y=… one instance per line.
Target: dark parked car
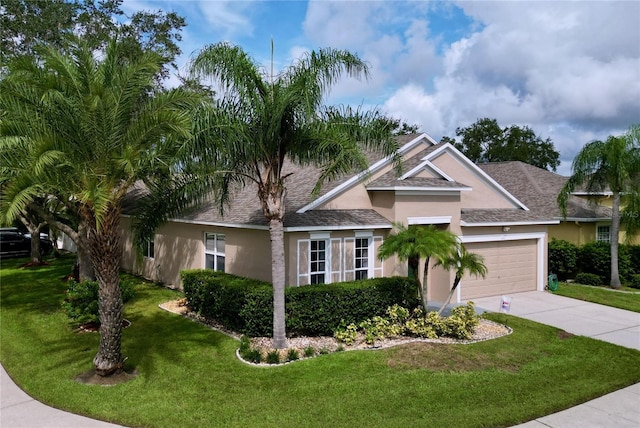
x=14, y=243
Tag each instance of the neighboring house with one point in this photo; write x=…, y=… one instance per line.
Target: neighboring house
x=335, y=235
x=586, y=221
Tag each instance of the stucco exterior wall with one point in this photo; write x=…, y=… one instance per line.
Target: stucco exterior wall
x=481, y=195
x=576, y=233
x=180, y=246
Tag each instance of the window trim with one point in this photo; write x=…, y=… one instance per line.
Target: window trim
x=598, y=233
x=149, y=248
x=215, y=253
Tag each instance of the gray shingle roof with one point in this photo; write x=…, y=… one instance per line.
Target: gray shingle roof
x=538, y=189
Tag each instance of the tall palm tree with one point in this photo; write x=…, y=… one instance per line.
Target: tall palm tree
x=262, y=119
x=413, y=243
x=612, y=165
x=97, y=127
x=461, y=261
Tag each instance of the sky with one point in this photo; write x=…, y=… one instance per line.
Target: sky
x=569, y=70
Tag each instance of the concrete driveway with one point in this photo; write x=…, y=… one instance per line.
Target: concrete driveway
x=574, y=316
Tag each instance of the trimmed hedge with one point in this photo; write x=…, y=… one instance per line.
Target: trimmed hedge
x=595, y=258
x=588, y=279
x=246, y=305
x=563, y=258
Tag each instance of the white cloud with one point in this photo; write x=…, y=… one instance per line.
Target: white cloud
x=229, y=18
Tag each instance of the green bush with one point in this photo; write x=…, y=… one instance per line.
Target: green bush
x=292, y=355
x=346, y=333
x=634, y=256
x=246, y=305
x=588, y=279
x=273, y=357
x=595, y=258
x=81, y=300
x=563, y=258
x=309, y=352
x=635, y=281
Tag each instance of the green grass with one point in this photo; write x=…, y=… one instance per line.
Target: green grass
x=189, y=375
x=601, y=295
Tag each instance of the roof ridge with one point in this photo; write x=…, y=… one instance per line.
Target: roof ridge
x=533, y=182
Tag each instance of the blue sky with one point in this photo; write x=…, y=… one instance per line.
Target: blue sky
x=570, y=70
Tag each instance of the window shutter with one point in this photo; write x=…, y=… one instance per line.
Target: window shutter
x=349, y=258
x=377, y=263
x=336, y=260
x=303, y=262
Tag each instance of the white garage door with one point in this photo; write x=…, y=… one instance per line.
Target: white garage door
x=511, y=268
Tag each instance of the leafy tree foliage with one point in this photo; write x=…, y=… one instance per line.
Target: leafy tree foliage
x=25, y=24
x=263, y=120
x=413, y=243
x=486, y=141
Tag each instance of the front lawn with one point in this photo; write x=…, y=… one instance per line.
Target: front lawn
x=629, y=300
x=189, y=375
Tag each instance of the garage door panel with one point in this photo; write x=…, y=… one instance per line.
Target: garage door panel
x=511, y=268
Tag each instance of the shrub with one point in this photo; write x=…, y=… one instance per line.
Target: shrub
x=635, y=281
x=246, y=305
x=81, y=300
x=634, y=257
x=595, y=258
x=292, y=355
x=318, y=310
x=273, y=357
x=346, y=333
x=462, y=321
x=309, y=351
x=588, y=279
x=252, y=355
x=563, y=258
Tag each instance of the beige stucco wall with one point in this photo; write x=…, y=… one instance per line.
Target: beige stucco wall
x=180, y=246
x=482, y=195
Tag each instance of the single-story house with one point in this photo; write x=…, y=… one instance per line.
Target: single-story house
x=334, y=235
x=587, y=219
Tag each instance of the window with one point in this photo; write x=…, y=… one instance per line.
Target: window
x=214, y=245
x=149, y=250
x=603, y=233
x=318, y=261
x=361, y=255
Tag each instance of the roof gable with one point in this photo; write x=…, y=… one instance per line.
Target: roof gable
x=458, y=168
x=335, y=188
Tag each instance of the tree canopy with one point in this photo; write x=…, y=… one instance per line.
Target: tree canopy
x=486, y=141
x=26, y=24
x=262, y=121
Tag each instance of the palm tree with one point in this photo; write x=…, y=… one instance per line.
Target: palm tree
x=413, y=243
x=612, y=165
x=461, y=261
x=97, y=127
x=261, y=120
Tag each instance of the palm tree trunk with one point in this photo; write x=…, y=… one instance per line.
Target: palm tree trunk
x=83, y=253
x=424, y=290
x=271, y=195
x=106, y=255
x=615, y=229
x=276, y=233
x=456, y=281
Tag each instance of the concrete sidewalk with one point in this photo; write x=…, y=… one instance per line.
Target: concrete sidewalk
x=620, y=409
x=19, y=410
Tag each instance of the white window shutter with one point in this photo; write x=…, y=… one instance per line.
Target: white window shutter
x=303, y=262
